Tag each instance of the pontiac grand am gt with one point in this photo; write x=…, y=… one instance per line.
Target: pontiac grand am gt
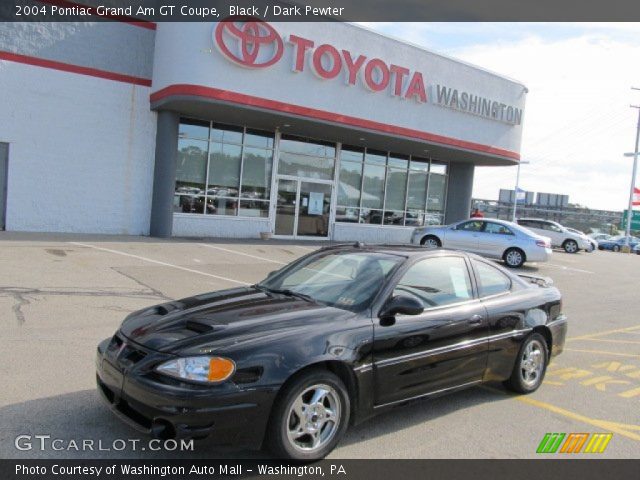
x=327, y=341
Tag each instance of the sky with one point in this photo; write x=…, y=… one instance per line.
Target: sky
x=578, y=121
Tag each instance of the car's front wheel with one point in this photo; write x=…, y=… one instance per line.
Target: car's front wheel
x=514, y=258
x=531, y=365
x=570, y=246
x=309, y=417
x=616, y=248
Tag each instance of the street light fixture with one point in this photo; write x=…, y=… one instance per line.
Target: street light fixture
x=515, y=193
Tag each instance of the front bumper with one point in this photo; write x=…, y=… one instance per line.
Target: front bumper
x=167, y=408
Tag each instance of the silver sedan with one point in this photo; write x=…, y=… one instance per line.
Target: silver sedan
x=488, y=237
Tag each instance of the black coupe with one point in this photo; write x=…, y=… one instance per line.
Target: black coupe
x=331, y=339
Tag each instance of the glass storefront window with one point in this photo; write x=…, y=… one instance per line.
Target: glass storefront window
x=194, y=129
x=226, y=134
x=349, y=184
x=306, y=146
x=417, y=194
x=395, y=188
x=254, y=208
x=256, y=173
x=436, y=192
x=235, y=163
x=375, y=157
x=373, y=186
x=305, y=166
x=224, y=167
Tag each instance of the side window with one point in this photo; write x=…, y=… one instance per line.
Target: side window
x=550, y=226
x=437, y=281
x=497, y=228
x=472, y=226
x=491, y=281
x=529, y=223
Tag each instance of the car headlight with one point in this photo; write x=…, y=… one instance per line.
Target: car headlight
x=199, y=369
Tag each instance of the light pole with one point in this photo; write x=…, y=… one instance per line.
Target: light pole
x=515, y=193
x=633, y=178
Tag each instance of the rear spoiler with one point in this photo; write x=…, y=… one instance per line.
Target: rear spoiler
x=541, y=281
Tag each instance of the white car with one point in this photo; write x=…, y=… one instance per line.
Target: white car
x=488, y=237
x=592, y=241
x=561, y=237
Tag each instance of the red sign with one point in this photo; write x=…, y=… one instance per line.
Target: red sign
x=252, y=37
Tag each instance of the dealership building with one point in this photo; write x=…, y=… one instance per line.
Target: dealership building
x=242, y=129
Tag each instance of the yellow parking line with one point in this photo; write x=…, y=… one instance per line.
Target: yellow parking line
x=610, y=340
x=619, y=428
x=606, y=332
x=602, y=352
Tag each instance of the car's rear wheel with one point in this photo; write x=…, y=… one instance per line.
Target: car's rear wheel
x=616, y=248
x=570, y=246
x=309, y=417
x=431, y=241
x=531, y=365
x=514, y=258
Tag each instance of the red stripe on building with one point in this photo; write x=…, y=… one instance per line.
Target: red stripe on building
x=119, y=18
x=67, y=67
x=248, y=100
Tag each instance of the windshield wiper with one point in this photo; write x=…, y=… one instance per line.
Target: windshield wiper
x=288, y=292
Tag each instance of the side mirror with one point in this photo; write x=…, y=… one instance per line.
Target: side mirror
x=404, y=304
x=272, y=273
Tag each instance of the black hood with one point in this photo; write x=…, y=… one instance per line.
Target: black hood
x=224, y=317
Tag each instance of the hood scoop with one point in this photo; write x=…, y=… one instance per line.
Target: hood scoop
x=198, y=327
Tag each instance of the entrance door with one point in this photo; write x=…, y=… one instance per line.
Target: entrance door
x=4, y=170
x=302, y=208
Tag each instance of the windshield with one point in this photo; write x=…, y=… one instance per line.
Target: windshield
x=347, y=280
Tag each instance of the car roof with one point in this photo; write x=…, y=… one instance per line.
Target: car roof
x=404, y=250
x=537, y=219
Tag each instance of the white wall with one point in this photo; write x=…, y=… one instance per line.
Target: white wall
x=348, y=232
x=185, y=53
x=81, y=151
x=185, y=225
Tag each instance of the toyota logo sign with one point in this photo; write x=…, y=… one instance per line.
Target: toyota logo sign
x=248, y=41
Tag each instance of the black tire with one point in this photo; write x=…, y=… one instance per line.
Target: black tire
x=284, y=417
x=518, y=380
x=431, y=241
x=514, y=257
x=616, y=248
x=570, y=246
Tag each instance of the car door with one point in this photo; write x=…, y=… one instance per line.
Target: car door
x=464, y=236
x=494, y=239
x=506, y=308
x=443, y=347
x=556, y=235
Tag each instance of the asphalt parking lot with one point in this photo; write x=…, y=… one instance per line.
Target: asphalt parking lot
x=61, y=294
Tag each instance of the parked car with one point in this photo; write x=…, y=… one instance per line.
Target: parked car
x=616, y=243
x=636, y=249
x=561, y=237
x=599, y=236
x=491, y=238
x=592, y=242
x=330, y=340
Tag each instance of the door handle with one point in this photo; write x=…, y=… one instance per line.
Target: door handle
x=475, y=319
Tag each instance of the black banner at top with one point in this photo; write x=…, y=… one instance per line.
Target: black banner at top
x=321, y=10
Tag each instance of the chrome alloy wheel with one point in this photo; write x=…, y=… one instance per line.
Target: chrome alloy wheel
x=532, y=363
x=571, y=247
x=313, y=418
x=431, y=243
x=514, y=258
